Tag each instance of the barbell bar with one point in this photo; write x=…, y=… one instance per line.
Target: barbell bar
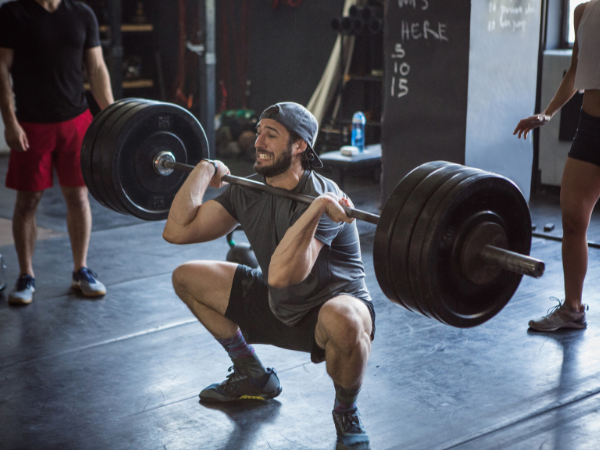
x=507, y=260
x=452, y=242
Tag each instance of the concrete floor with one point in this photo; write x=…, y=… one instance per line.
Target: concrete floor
x=124, y=372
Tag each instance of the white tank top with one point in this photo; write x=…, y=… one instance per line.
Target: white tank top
x=588, y=40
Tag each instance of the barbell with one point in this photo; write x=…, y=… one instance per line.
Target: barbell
x=452, y=242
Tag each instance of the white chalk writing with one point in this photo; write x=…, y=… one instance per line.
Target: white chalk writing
x=399, y=85
x=420, y=28
x=423, y=4
x=509, y=15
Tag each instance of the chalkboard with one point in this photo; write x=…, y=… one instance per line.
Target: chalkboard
x=426, y=44
x=459, y=76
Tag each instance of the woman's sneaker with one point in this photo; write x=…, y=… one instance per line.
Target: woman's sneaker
x=351, y=434
x=22, y=294
x=239, y=386
x=87, y=282
x=561, y=316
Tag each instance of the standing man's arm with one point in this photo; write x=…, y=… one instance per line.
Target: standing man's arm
x=13, y=133
x=98, y=76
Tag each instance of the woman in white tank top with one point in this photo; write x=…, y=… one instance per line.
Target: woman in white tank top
x=580, y=186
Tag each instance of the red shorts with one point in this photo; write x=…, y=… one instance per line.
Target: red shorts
x=50, y=145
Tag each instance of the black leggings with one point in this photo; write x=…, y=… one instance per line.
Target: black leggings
x=586, y=145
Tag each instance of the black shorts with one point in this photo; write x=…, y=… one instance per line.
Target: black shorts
x=249, y=309
x=586, y=145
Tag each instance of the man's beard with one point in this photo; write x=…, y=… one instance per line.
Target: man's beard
x=281, y=164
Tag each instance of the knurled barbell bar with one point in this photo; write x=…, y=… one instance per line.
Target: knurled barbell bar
x=165, y=163
x=452, y=242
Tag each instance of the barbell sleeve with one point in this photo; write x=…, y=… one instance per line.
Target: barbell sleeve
x=513, y=262
x=256, y=185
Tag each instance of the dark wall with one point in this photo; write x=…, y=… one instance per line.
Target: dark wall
x=554, y=25
x=283, y=51
x=167, y=36
x=289, y=49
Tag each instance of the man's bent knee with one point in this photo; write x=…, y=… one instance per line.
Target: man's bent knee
x=179, y=278
x=206, y=282
x=184, y=275
x=345, y=321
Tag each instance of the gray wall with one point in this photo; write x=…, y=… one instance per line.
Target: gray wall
x=553, y=153
x=503, y=67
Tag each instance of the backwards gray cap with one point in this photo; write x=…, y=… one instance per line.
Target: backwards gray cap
x=300, y=120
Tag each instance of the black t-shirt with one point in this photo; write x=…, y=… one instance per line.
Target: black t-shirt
x=47, y=70
x=265, y=219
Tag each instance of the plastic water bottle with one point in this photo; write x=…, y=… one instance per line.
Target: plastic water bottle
x=358, y=130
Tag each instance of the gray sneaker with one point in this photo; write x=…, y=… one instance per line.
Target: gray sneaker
x=87, y=282
x=22, y=294
x=239, y=386
x=561, y=316
x=351, y=434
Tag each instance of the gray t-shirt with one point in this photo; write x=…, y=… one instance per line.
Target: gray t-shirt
x=265, y=219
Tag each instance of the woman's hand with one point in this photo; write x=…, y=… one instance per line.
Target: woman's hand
x=528, y=124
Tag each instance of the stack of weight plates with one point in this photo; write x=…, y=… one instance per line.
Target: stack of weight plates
x=421, y=237
x=119, y=148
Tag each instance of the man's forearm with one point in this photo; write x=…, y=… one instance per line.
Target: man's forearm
x=100, y=86
x=189, y=198
x=293, y=259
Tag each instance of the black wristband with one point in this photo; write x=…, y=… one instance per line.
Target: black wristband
x=214, y=163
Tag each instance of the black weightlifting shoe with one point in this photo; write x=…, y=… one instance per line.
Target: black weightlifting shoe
x=351, y=434
x=239, y=386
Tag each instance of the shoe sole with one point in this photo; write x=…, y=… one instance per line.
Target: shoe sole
x=359, y=446
x=569, y=326
x=243, y=397
x=19, y=301
x=91, y=294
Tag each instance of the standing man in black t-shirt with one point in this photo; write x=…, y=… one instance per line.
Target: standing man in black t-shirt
x=44, y=45
x=310, y=294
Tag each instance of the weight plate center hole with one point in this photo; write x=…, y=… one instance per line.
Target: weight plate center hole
x=472, y=265
x=159, y=162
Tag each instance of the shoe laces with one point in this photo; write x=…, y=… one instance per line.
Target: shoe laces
x=87, y=274
x=25, y=282
x=555, y=308
x=560, y=304
x=233, y=378
x=350, y=421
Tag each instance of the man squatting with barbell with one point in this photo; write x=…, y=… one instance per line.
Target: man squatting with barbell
x=311, y=295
